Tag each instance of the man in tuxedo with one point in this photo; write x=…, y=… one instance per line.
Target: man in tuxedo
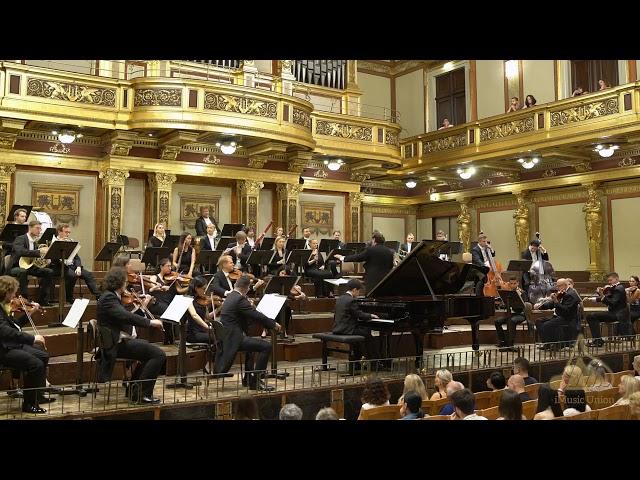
x=538, y=255
x=222, y=284
x=236, y=314
x=73, y=269
x=515, y=316
x=239, y=251
x=208, y=242
x=406, y=247
x=25, y=246
x=203, y=220
x=616, y=301
x=378, y=261
x=565, y=314
x=336, y=236
x=116, y=327
x=480, y=255
x=306, y=234
x=348, y=314
x=19, y=218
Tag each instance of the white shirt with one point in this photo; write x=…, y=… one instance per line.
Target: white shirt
x=32, y=242
x=368, y=406
x=570, y=412
x=226, y=275
x=409, y=246
x=474, y=416
x=207, y=220
x=251, y=241
x=211, y=241
x=306, y=245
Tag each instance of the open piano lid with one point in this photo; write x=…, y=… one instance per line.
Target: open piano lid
x=423, y=273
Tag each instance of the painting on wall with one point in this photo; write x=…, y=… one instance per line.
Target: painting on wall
x=190, y=205
x=61, y=202
x=318, y=217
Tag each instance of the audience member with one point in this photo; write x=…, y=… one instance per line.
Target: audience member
x=375, y=394
x=496, y=381
x=578, y=91
x=634, y=406
x=452, y=387
x=510, y=407
x=572, y=377
x=445, y=124
x=521, y=367
x=290, y=412
x=575, y=402
x=628, y=386
x=596, y=380
x=514, y=106
x=247, y=408
x=327, y=413
x=464, y=405
x=413, y=383
x=411, y=407
x=602, y=85
x=516, y=383
x=529, y=102
x=636, y=366
x=548, y=403
x=443, y=377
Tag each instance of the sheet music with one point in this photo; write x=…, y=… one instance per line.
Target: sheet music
x=75, y=312
x=336, y=281
x=271, y=304
x=73, y=254
x=177, y=308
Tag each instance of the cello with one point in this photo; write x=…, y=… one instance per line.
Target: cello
x=494, y=277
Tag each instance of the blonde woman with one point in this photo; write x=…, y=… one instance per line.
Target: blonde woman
x=572, y=378
x=634, y=404
x=158, y=237
x=413, y=382
x=597, y=378
x=279, y=256
x=628, y=386
x=636, y=366
x=443, y=377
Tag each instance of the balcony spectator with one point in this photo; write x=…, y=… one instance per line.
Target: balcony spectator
x=529, y=102
x=443, y=377
x=548, y=403
x=603, y=85
x=514, y=106
x=578, y=91
x=445, y=124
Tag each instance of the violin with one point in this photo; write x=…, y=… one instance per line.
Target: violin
x=237, y=273
x=135, y=278
x=205, y=301
x=20, y=304
x=183, y=280
x=606, y=289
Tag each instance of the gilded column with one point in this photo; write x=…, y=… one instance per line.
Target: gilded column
x=288, y=196
x=113, y=184
x=593, y=222
x=249, y=194
x=355, y=200
x=464, y=225
x=6, y=171
x=521, y=216
x=161, y=184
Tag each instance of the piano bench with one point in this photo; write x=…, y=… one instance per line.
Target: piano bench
x=350, y=340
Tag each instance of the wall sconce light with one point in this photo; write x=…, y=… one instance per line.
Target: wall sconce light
x=528, y=162
x=466, y=173
x=606, y=150
x=334, y=165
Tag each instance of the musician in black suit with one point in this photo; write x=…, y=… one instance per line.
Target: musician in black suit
x=347, y=316
x=19, y=218
x=378, y=261
x=615, y=298
x=74, y=269
x=239, y=251
x=537, y=254
x=203, y=220
x=318, y=270
x=515, y=316
x=222, y=284
x=19, y=350
x=236, y=314
x=480, y=254
x=208, y=241
x=116, y=326
x=566, y=303
x=406, y=247
x=26, y=246
x=306, y=235
x=336, y=236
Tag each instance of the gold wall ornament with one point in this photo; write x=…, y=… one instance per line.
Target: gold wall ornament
x=288, y=195
x=507, y=129
x=321, y=174
x=71, y=92
x=593, y=222
x=344, y=130
x=161, y=185
x=289, y=189
x=121, y=148
x=61, y=202
x=301, y=117
x=318, y=217
x=487, y=182
x=359, y=176
x=581, y=113
x=115, y=213
x=212, y=160
x=164, y=200
x=297, y=165
x=7, y=140
x=59, y=148
x=249, y=187
x=257, y=162
x=113, y=176
x=287, y=66
x=464, y=225
x=6, y=171
x=170, y=152
x=445, y=143
x=157, y=97
x=249, y=193
x=390, y=138
x=243, y=105
x=4, y=190
x=550, y=172
x=161, y=181
x=582, y=167
x=627, y=162
x=521, y=216
x=454, y=184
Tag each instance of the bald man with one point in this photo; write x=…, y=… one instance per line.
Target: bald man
x=452, y=387
x=516, y=384
x=565, y=316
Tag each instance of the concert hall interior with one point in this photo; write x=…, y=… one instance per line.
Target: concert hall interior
x=320, y=239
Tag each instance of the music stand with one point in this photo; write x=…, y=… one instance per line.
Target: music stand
x=47, y=236
x=511, y=299
x=224, y=242
x=357, y=247
x=152, y=255
x=13, y=230
x=339, y=251
x=299, y=257
x=77, y=310
x=230, y=229
x=171, y=242
x=326, y=245
x=267, y=243
x=260, y=257
x=519, y=265
x=108, y=252
x=208, y=258
x=392, y=244
x=281, y=285
x=58, y=252
x=13, y=209
x=295, y=244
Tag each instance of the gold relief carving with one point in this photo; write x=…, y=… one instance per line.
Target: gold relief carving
x=464, y=225
x=344, y=130
x=286, y=190
x=356, y=198
x=71, y=92
x=505, y=202
x=249, y=187
x=390, y=138
x=359, y=176
x=297, y=165
x=300, y=117
x=454, y=184
x=318, y=217
x=287, y=66
x=616, y=189
x=593, y=222
x=243, y=105
x=169, y=152
x=585, y=112
x=293, y=213
x=257, y=162
x=507, y=129
x=59, y=148
x=3, y=203
x=121, y=148
x=248, y=63
x=321, y=174
x=487, y=182
x=6, y=170
x=548, y=196
x=627, y=162
x=445, y=143
x=158, y=97
x=61, y=202
x=252, y=212
x=211, y=160
x=582, y=167
x=355, y=224
x=550, y=172
x=7, y=140
x=369, y=208
x=163, y=206
x=116, y=212
x=351, y=66
x=521, y=216
x=373, y=67
x=190, y=205
x=161, y=181
x=113, y=177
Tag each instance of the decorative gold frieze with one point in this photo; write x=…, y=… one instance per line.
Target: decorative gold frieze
x=257, y=162
x=170, y=152
x=71, y=92
x=359, y=176
x=558, y=195
x=213, y=160
x=487, y=182
x=507, y=129
x=321, y=174
x=374, y=67
x=301, y=117
x=582, y=167
x=627, y=162
x=550, y=172
x=390, y=210
x=502, y=201
x=356, y=197
x=297, y=165
x=59, y=148
x=454, y=184
x=115, y=212
x=622, y=188
x=8, y=140
x=249, y=187
x=588, y=111
x=445, y=143
x=243, y=105
x=6, y=170
x=161, y=181
x=113, y=177
x=121, y=148
x=288, y=189
x=390, y=138
x=158, y=97
x=344, y=130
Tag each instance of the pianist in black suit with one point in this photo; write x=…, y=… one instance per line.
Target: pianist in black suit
x=378, y=261
x=615, y=298
x=203, y=220
x=347, y=316
x=480, y=255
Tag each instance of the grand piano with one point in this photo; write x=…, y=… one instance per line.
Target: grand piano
x=420, y=293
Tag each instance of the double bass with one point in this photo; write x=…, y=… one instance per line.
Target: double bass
x=494, y=277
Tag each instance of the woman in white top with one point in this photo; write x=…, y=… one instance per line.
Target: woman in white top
x=628, y=386
x=375, y=394
x=548, y=403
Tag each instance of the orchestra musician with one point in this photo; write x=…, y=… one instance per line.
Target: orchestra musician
x=164, y=292
x=378, y=260
x=208, y=242
x=19, y=218
x=336, y=236
x=239, y=251
x=566, y=303
x=316, y=270
x=117, y=329
x=184, y=257
x=614, y=297
x=280, y=232
x=442, y=237
x=295, y=293
x=222, y=283
x=159, y=236
x=26, y=246
x=197, y=317
x=22, y=351
x=306, y=234
x=536, y=282
x=406, y=247
x=251, y=236
x=236, y=314
x=480, y=256
x=203, y=220
x=515, y=316
x=633, y=298
x=124, y=261
x=279, y=256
